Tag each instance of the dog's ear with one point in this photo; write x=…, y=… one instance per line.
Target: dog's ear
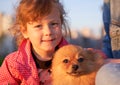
x=96, y=55
x=90, y=53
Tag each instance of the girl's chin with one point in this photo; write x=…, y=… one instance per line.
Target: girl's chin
x=49, y=49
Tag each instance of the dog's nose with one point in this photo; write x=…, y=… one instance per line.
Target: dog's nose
x=74, y=67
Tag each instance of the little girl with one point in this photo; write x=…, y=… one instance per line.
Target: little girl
x=38, y=32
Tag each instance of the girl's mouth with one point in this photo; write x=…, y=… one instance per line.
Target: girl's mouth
x=49, y=40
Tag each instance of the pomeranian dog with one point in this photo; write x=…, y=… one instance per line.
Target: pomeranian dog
x=74, y=65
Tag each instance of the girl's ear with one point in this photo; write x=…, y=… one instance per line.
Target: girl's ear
x=24, y=32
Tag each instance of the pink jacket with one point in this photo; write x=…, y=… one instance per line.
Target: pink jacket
x=19, y=67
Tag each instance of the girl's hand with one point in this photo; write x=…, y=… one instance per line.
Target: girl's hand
x=45, y=77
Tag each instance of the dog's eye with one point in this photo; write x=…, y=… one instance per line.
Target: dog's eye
x=65, y=61
x=80, y=59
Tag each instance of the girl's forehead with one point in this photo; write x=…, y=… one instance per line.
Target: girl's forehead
x=48, y=18
x=54, y=15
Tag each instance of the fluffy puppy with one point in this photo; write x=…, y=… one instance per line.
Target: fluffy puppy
x=74, y=65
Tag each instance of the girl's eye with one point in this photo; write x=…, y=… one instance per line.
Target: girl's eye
x=38, y=26
x=54, y=24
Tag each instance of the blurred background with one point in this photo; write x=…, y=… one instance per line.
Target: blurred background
x=84, y=18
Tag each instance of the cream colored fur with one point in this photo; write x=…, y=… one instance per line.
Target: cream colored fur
x=73, y=65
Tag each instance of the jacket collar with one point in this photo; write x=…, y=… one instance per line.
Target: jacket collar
x=26, y=55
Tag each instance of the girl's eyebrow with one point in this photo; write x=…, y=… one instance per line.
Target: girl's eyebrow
x=54, y=20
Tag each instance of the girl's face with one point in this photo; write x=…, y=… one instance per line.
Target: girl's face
x=46, y=33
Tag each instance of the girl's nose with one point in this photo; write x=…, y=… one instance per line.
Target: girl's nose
x=47, y=30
